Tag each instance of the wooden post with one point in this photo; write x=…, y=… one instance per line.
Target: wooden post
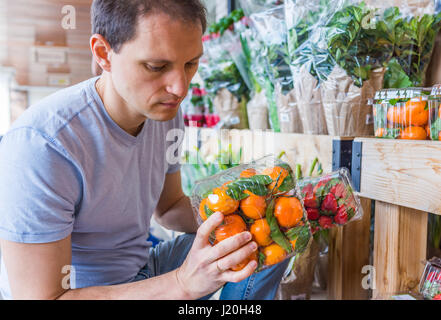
x=399, y=249
x=348, y=254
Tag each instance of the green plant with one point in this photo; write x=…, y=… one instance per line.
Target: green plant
x=196, y=167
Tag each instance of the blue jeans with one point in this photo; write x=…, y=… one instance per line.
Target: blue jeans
x=169, y=255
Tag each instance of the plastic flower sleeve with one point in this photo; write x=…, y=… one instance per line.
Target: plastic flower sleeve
x=260, y=197
x=224, y=84
x=270, y=31
x=330, y=200
x=308, y=60
x=253, y=6
x=238, y=44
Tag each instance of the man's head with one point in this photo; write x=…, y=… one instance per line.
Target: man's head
x=150, y=50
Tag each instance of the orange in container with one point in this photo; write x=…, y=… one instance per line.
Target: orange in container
x=413, y=133
x=273, y=254
x=244, y=263
x=261, y=232
x=288, y=211
x=415, y=113
x=219, y=200
x=250, y=172
x=232, y=225
x=278, y=174
x=253, y=206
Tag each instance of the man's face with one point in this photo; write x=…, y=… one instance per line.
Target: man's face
x=152, y=72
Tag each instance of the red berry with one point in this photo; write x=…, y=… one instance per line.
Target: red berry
x=339, y=190
x=325, y=222
x=342, y=216
x=313, y=213
x=329, y=204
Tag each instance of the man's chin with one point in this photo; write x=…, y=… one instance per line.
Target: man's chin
x=163, y=115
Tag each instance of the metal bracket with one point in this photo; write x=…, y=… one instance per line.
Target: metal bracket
x=357, y=148
x=341, y=154
x=231, y=6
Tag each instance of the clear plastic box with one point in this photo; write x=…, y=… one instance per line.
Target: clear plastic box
x=430, y=284
x=402, y=113
x=435, y=113
x=330, y=200
x=260, y=197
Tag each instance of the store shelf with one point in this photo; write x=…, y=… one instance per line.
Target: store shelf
x=402, y=172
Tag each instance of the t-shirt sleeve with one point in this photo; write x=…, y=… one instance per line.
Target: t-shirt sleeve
x=177, y=133
x=40, y=188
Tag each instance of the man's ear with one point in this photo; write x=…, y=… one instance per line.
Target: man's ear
x=101, y=51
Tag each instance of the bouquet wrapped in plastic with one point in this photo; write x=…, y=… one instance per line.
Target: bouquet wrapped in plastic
x=244, y=50
x=260, y=197
x=222, y=78
x=308, y=59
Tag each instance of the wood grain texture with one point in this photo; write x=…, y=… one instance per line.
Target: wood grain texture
x=405, y=173
x=400, y=245
x=348, y=254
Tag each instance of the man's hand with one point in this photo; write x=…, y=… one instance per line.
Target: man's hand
x=206, y=268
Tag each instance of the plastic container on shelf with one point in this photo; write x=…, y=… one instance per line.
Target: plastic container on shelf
x=430, y=284
x=260, y=197
x=402, y=113
x=330, y=200
x=434, y=128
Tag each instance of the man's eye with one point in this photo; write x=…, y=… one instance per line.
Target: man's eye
x=192, y=64
x=154, y=69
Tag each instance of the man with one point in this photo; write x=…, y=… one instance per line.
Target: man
x=83, y=171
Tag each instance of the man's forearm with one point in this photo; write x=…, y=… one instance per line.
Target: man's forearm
x=179, y=217
x=163, y=287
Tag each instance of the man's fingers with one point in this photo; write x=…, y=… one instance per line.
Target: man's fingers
x=233, y=259
x=229, y=245
x=205, y=229
x=237, y=276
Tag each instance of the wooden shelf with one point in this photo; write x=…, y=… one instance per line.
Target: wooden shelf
x=402, y=172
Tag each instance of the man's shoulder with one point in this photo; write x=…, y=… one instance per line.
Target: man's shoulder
x=53, y=113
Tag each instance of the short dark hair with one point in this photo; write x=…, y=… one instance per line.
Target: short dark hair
x=116, y=20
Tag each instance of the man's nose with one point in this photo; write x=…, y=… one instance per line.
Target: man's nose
x=178, y=84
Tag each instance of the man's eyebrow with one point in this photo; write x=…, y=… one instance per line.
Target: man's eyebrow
x=167, y=61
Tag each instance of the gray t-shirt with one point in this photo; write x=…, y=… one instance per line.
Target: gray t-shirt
x=67, y=168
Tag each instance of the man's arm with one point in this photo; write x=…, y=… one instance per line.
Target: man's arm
x=174, y=210
x=35, y=271
x=38, y=271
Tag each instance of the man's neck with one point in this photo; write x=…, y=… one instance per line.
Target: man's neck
x=117, y=108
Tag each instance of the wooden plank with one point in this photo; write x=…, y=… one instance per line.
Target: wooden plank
x=348, y=254
x=402, y=172
x=400, y=246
